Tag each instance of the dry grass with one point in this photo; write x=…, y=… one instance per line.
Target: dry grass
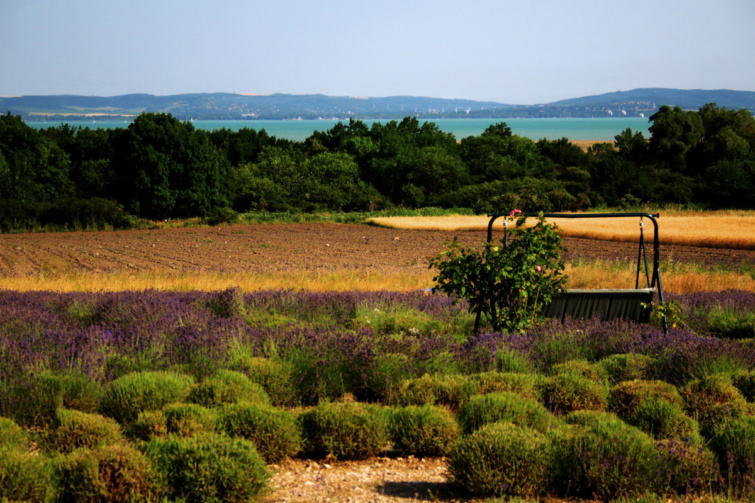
x=713, y=229
x=675, y=278
x=586, y=144
x=590, y=275
x=208, y=281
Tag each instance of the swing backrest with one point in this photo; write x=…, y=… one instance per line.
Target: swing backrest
x=630, y=305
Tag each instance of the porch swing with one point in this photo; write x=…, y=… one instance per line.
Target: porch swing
x=611, y=304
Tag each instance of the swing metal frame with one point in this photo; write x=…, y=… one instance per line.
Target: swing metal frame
x=585, y=303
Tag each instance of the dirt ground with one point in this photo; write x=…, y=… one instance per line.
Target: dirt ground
x=379, y=479
x=279, y=247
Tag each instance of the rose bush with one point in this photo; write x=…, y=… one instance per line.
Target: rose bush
x=509, y=283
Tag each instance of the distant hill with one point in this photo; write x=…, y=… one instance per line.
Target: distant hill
x=225, y=106
x=655, y=97
x=240, y=106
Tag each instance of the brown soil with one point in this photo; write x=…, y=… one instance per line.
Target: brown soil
x=280, y=247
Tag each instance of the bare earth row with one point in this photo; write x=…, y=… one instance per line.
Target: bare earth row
x=284, y=248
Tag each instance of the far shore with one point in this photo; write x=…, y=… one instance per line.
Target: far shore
x=585, y=144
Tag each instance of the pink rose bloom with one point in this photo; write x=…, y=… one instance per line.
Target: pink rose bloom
x=538, y=268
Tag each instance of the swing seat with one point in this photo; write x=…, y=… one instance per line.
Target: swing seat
x=609, y=304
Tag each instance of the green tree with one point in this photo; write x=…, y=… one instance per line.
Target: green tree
x=92, y=167
x=434, y=173
x=499, y=155
x=731, y=184
x=331, y=181
x=250, y=190
x=498, y=130
x=243, y=146
x=632, y=146
x=674, y=132
x=563, y=153
x=175, y=171
x=35, y=168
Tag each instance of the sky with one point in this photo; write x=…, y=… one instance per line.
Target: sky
x=509, y=51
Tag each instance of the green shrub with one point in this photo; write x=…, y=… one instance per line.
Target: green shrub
x=627, y=367
x=76, y=390
x=227, y=303
x=744, y=381
x=725, y=365
x=602, y=457
x=131, y=394
x=567, y=392
x=114, y=472
x=274, y=432
x=423, y=430
x=24, y=476
x=685, y=467
x=149, y=424
x=449, y=390
x=506, y=406
x=713, y=401
x=397, y=320
x=729, y=323
x=344, y=430
x=225, y=387
x=11, y=434
x=275, y=376
x=188, y=419
x=734, y=445
x=559, y=347
x=494, y=382
x=625, y=397
x=317, y=381
x=34, y=399
x=221, y=215
x=117, y=366
x=510, y=360
x=501, y=459
x=664, y=420
x=209, y=468
x=383, y=378
x=592, y=371
x=74, y=429
x=42, y=394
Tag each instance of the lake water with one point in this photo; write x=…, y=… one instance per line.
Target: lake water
x=602, y=129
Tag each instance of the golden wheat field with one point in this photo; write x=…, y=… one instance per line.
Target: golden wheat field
x=714, y=229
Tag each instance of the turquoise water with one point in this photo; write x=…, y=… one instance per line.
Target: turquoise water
x=603, y=129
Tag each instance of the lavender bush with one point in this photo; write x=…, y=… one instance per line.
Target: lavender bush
x=74, y=350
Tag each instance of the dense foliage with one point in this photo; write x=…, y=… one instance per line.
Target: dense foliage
x=162, y=168
x=509, y=283
x=187, y=395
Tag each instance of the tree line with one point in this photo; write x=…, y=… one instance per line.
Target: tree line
x=160, y=168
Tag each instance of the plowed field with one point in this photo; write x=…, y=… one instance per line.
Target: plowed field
x=279, y=248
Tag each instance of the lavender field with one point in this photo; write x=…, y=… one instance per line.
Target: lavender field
x=71, y=351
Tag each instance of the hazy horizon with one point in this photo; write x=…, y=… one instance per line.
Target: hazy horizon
x=515, y=52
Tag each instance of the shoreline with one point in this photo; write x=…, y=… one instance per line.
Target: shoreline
x=586, y=144
x=576, y=130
